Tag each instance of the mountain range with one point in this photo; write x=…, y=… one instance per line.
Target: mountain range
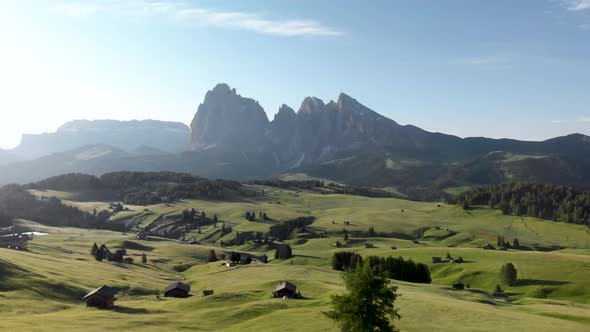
x=126, y=135
x=231, y=136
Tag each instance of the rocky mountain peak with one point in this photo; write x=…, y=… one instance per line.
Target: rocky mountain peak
x=312, y=105
x=285, y=113
x=225, y=118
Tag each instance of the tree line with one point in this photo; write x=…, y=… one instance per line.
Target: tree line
x=288, y=228
x=390, y=267
x=16, y=202
x=143, y=188
x=543, y=201
x=317, y=185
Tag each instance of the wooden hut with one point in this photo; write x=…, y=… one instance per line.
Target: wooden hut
x=285, y=290
x=208, y=292
x=436, y=260
x=459, y=286
x=103, y=297
x=488, y=246
x=177, y=289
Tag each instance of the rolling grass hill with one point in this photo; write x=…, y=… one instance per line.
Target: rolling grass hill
x=41, y=289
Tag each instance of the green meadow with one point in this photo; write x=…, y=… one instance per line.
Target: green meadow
x=41, y=289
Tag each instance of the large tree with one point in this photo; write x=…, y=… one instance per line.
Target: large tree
x=369, y=304
x=508, y=274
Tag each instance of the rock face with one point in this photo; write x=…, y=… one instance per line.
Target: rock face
x=228, y=121
x=126, y=135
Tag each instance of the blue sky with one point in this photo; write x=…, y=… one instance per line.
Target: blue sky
x=501, y=68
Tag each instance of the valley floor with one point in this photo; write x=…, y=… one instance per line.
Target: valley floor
x=41, y=289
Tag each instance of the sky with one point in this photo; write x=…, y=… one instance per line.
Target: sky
x=502, y=68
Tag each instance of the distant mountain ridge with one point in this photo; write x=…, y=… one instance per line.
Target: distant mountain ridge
x=231, y=137
x=7, y=157
x=126, y=135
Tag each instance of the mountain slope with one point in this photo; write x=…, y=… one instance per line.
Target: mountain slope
x=7, y=157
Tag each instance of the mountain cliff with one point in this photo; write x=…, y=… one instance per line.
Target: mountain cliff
x=228, y=121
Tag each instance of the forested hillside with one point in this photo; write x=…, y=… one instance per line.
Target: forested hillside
x=17, y=203
x=144, y=188
x=548, y=202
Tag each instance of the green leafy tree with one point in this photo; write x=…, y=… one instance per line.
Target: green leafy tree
x=212, y=256
x=368, y=304
x=508, y=274
x=94, y=250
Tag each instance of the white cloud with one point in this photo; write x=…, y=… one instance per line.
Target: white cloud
x=180, y=10
x=584, y=119
x=577, y=5
x=252, y=22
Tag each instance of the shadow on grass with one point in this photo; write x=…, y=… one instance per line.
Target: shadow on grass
x=537, y=282
x=305, y=256
x=126, y=310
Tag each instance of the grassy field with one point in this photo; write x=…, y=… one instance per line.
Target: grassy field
x=40, y=290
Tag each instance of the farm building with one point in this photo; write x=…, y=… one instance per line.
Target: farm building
x=285, y=290
x=436, y=259
x=208, y=292
x=177, y=289
x=103, y=297
x=488, y=246
x=128, y=260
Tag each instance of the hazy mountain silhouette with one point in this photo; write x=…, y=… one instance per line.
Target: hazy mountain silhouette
x=231, y=137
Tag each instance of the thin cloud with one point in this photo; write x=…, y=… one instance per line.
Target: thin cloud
x=186, y=13
x=577, y=5
x=584, y=119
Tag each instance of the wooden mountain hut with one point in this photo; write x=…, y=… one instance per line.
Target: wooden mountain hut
x=103, y=297
x=285, y=290
x=177, y=289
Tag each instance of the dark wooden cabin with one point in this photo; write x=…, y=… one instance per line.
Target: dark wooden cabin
x=285, y=289
x=459, y=286
x=103, y=297
x=177, y=289
x=488, y=246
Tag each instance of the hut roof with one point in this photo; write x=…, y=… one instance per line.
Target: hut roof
x=286, y=285
x=178, y=285
x=104, y=291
